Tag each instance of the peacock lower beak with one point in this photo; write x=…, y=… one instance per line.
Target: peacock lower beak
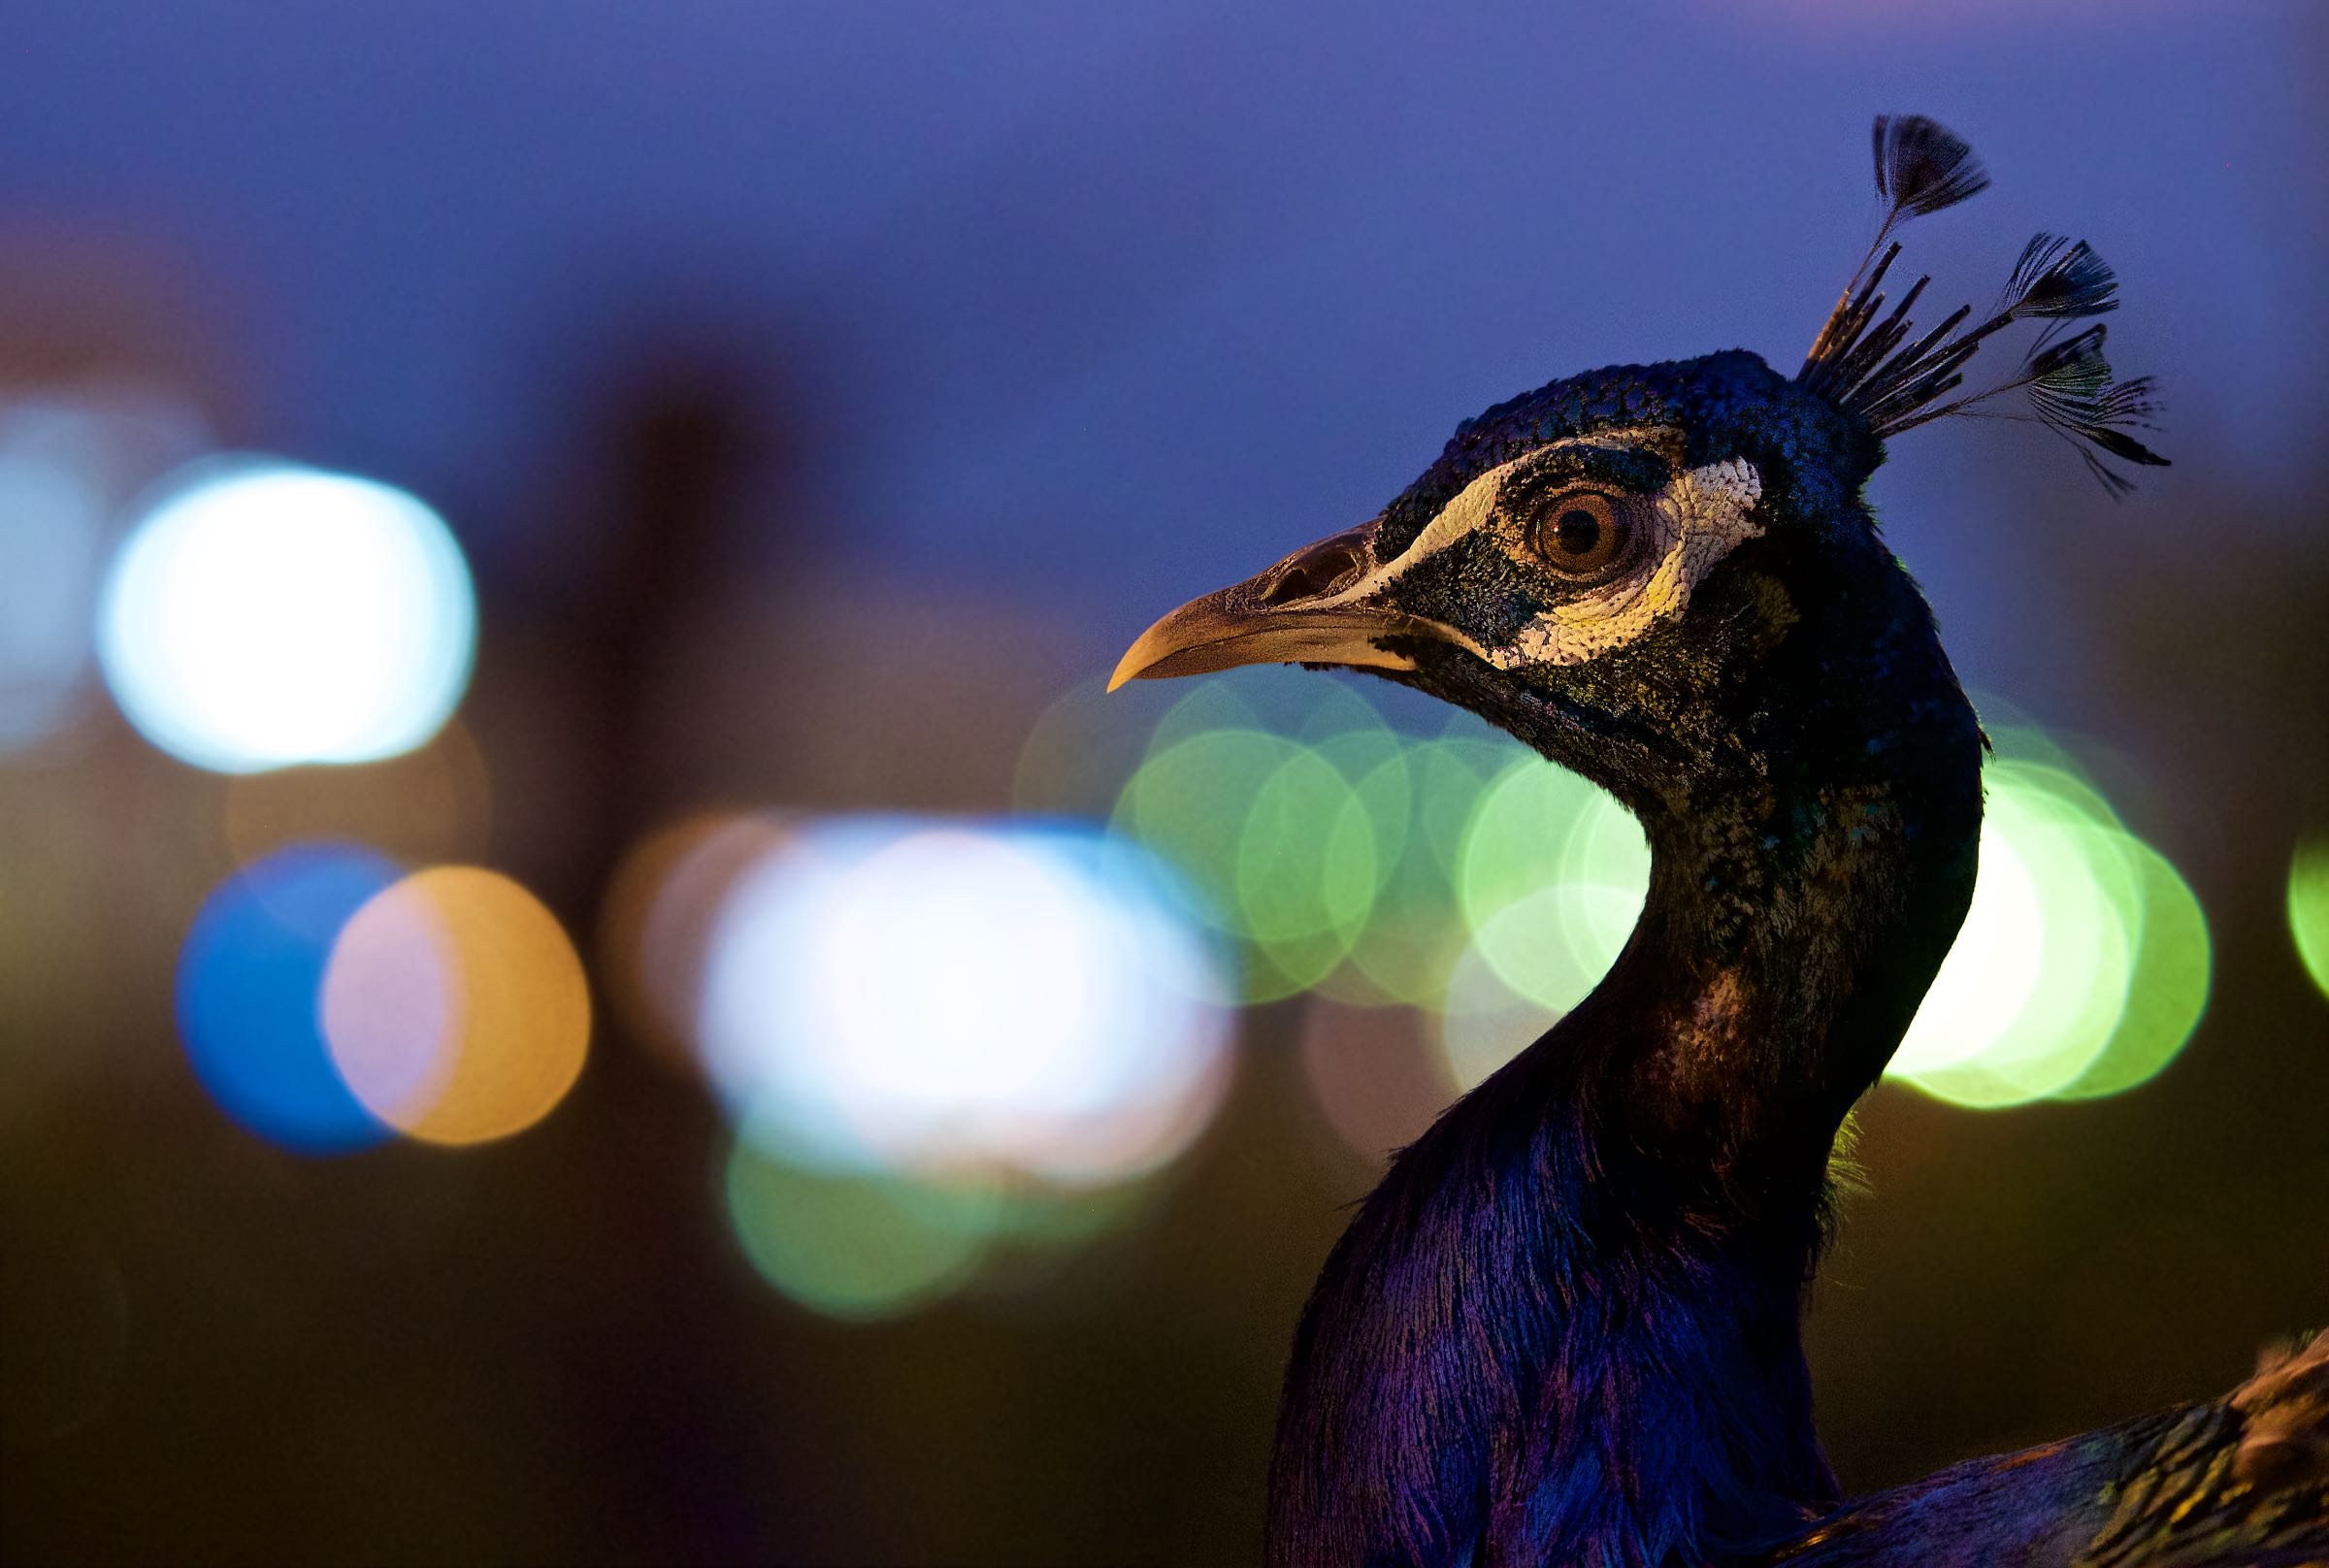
x=1321, y=606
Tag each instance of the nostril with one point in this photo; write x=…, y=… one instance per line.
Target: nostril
x=1321, y=571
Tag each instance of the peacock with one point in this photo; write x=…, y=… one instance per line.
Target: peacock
x=1565, y=1328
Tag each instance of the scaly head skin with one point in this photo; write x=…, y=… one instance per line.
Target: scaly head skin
x=1543, y=570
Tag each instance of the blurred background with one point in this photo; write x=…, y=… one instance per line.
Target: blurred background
x=585, y=974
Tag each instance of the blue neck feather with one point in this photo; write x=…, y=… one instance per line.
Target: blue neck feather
x=1563, y=1329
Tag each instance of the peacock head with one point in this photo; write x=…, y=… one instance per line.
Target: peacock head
x=1664, y=576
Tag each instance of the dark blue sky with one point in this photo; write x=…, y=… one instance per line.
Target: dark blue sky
x=1098, y=305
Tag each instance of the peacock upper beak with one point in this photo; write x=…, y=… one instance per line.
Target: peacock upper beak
x=1324, y=604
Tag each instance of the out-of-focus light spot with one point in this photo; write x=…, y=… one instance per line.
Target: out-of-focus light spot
x=1319, y=840
x=1188, y=802
x=456, y=1008
x=853, y=1243
x=429, y=806
x=1082, y=747
x=1375, y=1073
x=1466, y=875
x=248, y=978
x=67, y=458
x=1990, y=972
x=2082, y=965
x=1415, y=930
x=1049, y=1215
x=1206, y=705
x=1552, y=878
x=262, y=614
x=1305, y=826
x=51, y=520
x=2166, y=994
x=2091, y=920
x=951, y=1049
x=1259, y=828
x=883, y=992
x=657, y=920
x=1484, y=1021
x=1307, y=866
x=2309, y=907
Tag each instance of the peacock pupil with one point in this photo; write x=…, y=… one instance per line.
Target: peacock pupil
x=1577, y=532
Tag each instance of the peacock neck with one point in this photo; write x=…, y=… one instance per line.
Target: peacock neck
x=1676, y=1131
x=1792, y=927
x=1812, y=804
x=1566, y=1323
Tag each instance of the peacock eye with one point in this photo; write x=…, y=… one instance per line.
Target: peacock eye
x=1581, y=535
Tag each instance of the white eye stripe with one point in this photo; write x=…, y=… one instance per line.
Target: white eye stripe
x=1475, y=504
x=1458, y=520
x=1699, y=517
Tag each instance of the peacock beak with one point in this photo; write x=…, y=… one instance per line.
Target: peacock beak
x=1324, y=604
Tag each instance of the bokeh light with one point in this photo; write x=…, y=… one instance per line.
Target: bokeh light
x=871, y=1244
x=656, y=923
x=1483, y=1020
x=1077, y=753
x=262, y=614
x=1416, y=932
x=1551, y=876
x=2309, y=907
x=950, y=1048
x=454, y=1007
x=1271, y=840
x=67, y=458
x=857, y=1245
x=1990, y=970
x=897, y=992
x=1188, y=802
x=51, y=525
x=1318, y=838
x=2167, y=990
x=1466, y=876
x=1374, y=1072
x=2084, y=964
x=249, y=979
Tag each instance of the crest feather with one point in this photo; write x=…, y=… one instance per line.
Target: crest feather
x=1923, y=166
x=1857, y=363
